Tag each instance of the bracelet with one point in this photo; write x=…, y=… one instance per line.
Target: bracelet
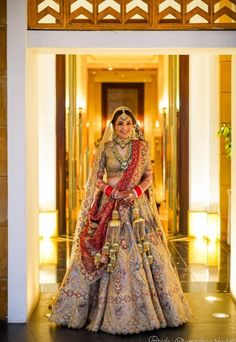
x=108, y=190
x=138, y=191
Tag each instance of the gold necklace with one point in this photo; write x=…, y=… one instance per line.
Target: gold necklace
x=121, y=142
x=124, y=161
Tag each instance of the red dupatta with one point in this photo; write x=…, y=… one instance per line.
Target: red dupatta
x=90, y=245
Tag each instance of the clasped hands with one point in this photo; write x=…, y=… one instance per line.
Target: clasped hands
x=125, y=198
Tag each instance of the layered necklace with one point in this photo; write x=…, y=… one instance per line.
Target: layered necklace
x=123, y=160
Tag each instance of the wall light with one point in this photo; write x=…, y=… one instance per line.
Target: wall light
x=213, y=227
x=80, y=103
x=204, y=225
x=197, y=224
x=47, y=224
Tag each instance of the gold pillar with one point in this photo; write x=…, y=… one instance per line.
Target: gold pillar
x=225, y=117
x=72, y=142
x=171, y=158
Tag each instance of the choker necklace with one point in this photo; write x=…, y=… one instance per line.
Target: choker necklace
x=121, y=142
x=123, y=160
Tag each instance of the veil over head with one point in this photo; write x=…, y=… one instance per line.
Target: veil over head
x=92, y=178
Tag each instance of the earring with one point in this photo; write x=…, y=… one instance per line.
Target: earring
x=134, y=134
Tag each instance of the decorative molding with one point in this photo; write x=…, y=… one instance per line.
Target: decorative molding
x=132, y=14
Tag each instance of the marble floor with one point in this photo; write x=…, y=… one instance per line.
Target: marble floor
x=203, y=268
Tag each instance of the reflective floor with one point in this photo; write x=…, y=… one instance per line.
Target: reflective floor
x=203, y=268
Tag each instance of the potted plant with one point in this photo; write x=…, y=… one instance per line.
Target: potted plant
x=225, y=131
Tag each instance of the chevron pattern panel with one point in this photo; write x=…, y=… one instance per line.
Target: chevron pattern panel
x=80, y=11
x=198, y=12
x=224, y=11
x=169, y=12
x=46, y=13
x=137, y=11
x=109, y=11
x=132, y=14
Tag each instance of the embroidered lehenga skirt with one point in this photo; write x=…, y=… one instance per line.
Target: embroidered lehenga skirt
x=135, y=297
x=143, y=290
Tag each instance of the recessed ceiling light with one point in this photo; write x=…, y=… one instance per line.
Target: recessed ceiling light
x=220, y=315
x=110, y=68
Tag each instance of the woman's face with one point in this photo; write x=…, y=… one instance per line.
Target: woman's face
x=123, y=128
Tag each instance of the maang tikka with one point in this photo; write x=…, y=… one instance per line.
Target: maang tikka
x=123, y=116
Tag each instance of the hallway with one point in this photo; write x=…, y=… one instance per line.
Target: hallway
x=203, y=269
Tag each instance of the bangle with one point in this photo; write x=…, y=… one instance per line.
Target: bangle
x=108, y=190
x=138, y=191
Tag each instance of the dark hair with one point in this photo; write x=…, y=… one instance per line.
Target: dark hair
x=121, y=111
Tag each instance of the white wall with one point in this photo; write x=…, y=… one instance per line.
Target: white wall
x=23, y=254
x=203, y=140
x=233, y=183
x=47, y=132
x=214, y=162
x=32, y=191
x=145, y=42
x=17, y=181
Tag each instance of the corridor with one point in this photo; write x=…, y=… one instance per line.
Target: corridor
x=203, y=268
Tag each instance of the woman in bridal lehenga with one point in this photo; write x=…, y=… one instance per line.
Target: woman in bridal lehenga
x=121, y=278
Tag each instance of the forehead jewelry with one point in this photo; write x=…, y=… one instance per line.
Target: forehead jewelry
x=123, y=116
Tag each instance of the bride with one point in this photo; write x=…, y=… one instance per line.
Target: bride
x=121, y=278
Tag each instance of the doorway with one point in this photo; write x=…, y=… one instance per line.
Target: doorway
x=166, y=130
x=127, y=94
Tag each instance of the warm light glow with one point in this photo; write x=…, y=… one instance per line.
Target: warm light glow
x=48, y=251
x=81, y=104
x=80, y=110
x=213, y=299
x=197, y=252
x=203, y=252
x=204, y=225
x=213, y=253
x=163, y=104
x=48, y=224
x=110, y=68
x=213, y=227
x=157, y=124
x=87, y=124
x=197, y=224
x=220, y=315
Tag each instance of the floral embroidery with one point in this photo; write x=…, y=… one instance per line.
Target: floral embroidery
x=136, y=296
